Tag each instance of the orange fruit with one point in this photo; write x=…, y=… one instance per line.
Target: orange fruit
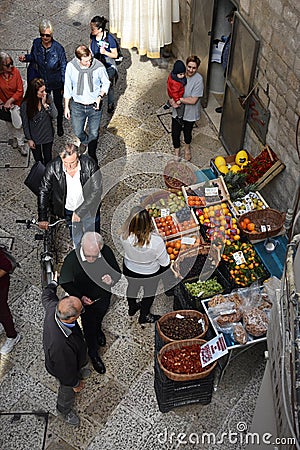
x=243, y=226
x=172, y=256
x=170, y=250
x=250, y=226
x=177, y=245
x=246, y=220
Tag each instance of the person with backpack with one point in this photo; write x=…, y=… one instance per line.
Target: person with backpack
x=105, y=48
x=12, y=336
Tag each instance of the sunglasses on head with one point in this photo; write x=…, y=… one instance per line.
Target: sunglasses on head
x=45, y=35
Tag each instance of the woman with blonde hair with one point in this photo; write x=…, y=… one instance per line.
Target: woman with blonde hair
x=11, y=95
x=48, y=61
x=145, y=259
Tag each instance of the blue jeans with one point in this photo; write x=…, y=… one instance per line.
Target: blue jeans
x=79, y=114
x=111, y=71
x=77, y=229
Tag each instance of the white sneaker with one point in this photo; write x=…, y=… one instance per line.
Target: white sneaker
x=14, y=142
x=22, y=149
x=9, y=345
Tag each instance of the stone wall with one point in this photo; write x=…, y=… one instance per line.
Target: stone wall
x=182, y=31
x=277, y=24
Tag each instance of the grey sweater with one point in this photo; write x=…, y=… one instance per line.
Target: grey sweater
x=39, y=129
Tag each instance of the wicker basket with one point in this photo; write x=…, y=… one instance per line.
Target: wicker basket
x=202, y=249
x=178, y=174
x=268, y=216
x=178, y=376
x=154, y=197
x=184, y=313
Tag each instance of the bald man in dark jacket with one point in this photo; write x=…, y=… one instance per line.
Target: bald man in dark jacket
x=65, y=348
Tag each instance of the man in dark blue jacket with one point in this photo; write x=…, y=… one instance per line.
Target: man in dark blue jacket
x=65, y=348
x=48, y=60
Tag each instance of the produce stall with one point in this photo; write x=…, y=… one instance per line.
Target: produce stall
x=225, y=244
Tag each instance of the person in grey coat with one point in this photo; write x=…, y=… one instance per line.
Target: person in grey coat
x=37, y=112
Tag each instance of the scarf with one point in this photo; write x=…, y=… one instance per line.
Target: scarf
x=89, y=71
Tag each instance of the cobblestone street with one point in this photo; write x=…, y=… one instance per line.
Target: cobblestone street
x=118, y=410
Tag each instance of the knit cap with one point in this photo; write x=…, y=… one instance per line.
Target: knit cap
x=179, y=67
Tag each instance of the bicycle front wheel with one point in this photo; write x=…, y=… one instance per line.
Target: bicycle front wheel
x=46, y=273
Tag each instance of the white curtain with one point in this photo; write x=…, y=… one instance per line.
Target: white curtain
x=144, y=24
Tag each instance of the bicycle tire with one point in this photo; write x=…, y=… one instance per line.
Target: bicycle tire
x=47, y=272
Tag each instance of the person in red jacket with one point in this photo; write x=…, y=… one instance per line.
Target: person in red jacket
x=6, y=320
x=11, y=95
x=175, y=85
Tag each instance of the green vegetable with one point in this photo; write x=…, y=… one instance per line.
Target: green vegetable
x=208, y=288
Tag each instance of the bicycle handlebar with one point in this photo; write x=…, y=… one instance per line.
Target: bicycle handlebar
x=29, y=222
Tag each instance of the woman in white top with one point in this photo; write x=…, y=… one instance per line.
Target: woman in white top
x=144, y=260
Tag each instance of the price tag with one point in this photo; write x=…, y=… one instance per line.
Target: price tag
x=239, y=258
x=188, y=240
x=210, y=192
x=265, y=228
x=164, y=212
x=213, y=350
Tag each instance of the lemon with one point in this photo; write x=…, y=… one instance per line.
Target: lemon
x=220, y=161
x=223, y=169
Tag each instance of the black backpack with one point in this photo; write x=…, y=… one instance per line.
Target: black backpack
x=120, y=56
x=7, y=253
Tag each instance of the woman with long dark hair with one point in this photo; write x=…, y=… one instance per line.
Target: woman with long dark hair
x=37, y=112
x=145, y=260
x=104, y=48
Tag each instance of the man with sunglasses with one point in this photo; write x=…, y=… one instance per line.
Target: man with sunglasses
x=65, y=348
x=48, y=61
x=86, y=83
x=71, y=189
x=89, y=272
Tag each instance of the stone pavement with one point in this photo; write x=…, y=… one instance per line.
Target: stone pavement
x=119, y=409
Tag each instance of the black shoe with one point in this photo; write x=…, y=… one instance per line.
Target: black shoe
x=101, y=339
x=60, y=130
x=111, y=108
x=219, y=109
x=150, y=318
x=98, y=364
x=132, y=310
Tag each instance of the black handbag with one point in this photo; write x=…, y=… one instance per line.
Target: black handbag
x=34, y=178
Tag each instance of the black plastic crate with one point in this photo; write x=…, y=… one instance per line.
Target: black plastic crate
x=185, y=298
x=171, y=394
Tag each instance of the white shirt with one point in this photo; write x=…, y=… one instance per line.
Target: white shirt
x=146, y=259
x=74, y=196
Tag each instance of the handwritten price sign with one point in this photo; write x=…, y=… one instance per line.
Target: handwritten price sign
x=213, y=350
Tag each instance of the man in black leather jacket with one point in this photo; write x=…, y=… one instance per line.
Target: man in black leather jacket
x=71, y=189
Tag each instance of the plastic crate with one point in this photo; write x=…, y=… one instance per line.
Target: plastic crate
x=223, y=278
x=171, y=394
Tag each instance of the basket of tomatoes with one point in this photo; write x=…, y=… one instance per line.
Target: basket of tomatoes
x=260, y=224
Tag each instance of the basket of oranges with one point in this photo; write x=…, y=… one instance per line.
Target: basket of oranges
x=260, y=224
